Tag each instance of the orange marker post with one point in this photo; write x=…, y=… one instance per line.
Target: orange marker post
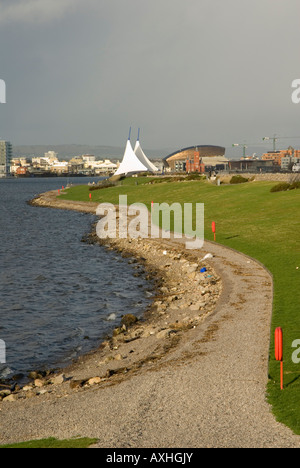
x=213, y=227
x=90, y=195
x=279, y=352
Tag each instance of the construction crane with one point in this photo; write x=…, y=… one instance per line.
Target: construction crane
x=275, y=138
x=244, y=146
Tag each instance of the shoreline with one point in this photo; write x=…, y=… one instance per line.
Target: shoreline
x=156, y=333
x=189, y=374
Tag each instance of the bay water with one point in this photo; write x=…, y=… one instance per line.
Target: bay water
x=59, y=297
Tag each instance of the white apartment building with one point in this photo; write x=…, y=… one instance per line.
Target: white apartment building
x=5, y=158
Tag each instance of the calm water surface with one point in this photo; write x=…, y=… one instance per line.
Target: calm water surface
x=58, y=295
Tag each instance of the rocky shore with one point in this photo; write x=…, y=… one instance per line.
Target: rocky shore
x=184, y=297
x=191, y=373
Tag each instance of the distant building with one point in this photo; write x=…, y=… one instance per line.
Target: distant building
x=200, y=158
x=288, y=162
x=296, y=167
x=277, y=156
x=5, y=158
x=51, y=156
x=251, y=165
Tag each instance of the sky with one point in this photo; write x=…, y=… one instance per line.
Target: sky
x=186, y=72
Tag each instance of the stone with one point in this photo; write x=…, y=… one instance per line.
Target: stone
x=118, y=357
x=77, y=383
x=10, y=398
x=128, y=320
x=163, y=334
x=58, y=379
x=38, y=383
x=27, y=388
x=197, y=305
x=94, y=380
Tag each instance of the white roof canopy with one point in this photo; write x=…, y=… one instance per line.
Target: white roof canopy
x=134, y=161
x=130, y=162
x=142, y=157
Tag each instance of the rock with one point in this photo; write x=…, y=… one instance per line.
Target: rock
x=118, y=357
x=148, y=331
x=58, y=379
x=163, y=334
x=128, y=320
x=27, y=388
x=197, y=305
x=39, y=383
x=94, y=380
x=77, y=383
x=5, y=393
x=10, y=398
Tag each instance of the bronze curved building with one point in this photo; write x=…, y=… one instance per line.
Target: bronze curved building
x=178, y=160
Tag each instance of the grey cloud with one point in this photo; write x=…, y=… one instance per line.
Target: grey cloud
x=192, y=72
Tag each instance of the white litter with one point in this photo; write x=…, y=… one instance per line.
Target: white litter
x=111, y=317
x=207, y=256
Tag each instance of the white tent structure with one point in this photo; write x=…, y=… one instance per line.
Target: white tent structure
x=134, y=161
x=142, y=157
x=130, y=162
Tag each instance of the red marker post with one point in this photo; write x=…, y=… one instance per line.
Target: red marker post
x=90, y=195
x=213, y=228
x=279, y=352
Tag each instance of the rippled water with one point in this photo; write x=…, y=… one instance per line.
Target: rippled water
x=57, y=294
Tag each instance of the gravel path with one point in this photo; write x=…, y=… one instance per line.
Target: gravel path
x=207, y=392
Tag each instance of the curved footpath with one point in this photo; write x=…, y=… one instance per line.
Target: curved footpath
x=199, y=381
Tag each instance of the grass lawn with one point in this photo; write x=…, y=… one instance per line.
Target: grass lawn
x=54, y=443
x=252, y=220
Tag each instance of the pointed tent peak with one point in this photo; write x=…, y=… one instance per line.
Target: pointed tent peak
x=130, y=163
x=138, y=138
x=129, y=134
x=143, y=158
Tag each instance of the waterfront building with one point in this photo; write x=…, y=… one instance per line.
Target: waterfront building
x=201, y=158
x=277, y=156
x=5, y=158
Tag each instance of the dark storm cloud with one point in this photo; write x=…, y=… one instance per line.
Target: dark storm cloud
x=193, y=72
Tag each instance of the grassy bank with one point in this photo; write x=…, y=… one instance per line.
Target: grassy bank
x=259, y=223
x=53, y=443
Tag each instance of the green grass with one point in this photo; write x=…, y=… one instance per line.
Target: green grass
x=54, y=443
x=261, y=224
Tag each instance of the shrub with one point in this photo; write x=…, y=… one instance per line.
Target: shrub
x=196, y=176
x=238, y=179
x=282, y=187
x=102, y=186
x=295, y=185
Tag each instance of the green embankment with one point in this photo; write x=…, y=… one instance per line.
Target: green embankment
x=254, y=221
x=53, y=443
